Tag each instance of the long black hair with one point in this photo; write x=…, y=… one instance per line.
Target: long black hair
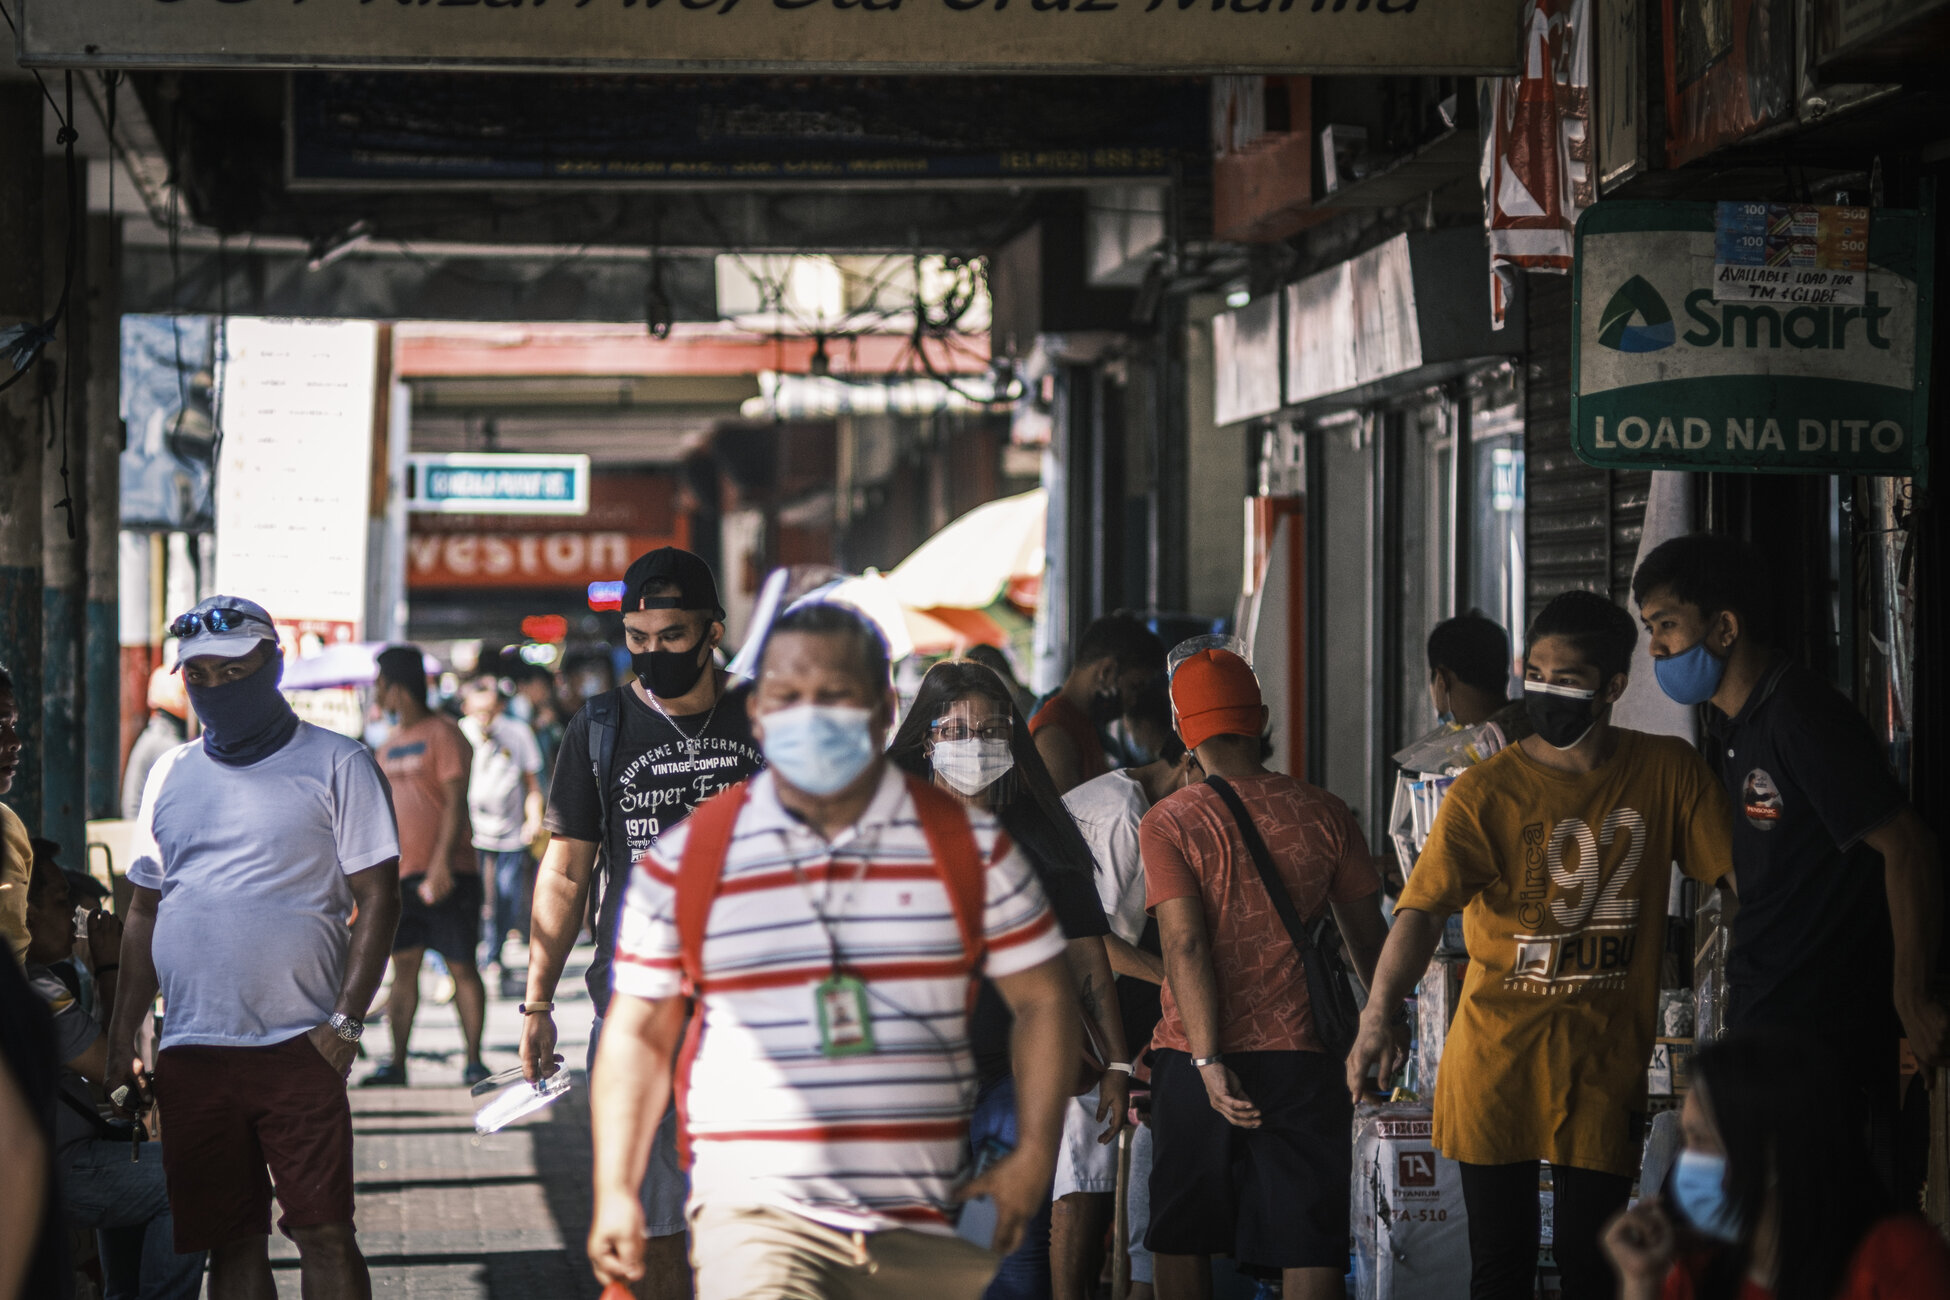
x=1787, y=1124
x=1028, y=806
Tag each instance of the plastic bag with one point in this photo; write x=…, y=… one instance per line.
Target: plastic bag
x=1449, y=749
x=508, y=1096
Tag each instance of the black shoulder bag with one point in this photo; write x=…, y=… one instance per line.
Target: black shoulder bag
x=1330, y=989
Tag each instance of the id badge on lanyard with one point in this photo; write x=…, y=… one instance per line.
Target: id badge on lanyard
x=845, y=1024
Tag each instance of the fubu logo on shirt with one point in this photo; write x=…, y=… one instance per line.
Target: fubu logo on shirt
x=1583, y=926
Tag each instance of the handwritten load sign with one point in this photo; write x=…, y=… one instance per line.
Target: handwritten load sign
x=1322, y=36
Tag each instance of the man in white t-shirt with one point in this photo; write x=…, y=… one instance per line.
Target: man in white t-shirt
x=253, y=847
x=830, y=914
x=504, y=804
x=1108, y=810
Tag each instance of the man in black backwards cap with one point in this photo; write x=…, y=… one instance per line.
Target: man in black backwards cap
x=633, y=763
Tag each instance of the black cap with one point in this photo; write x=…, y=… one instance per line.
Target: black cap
x=696, y=587
x=402, y=665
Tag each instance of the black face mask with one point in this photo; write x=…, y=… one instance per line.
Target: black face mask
x=668, y=674
x=1561, y=715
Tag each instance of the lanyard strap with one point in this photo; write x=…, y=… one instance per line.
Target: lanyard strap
x=819, y=913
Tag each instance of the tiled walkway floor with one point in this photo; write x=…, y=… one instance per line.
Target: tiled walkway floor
x=444, y=1214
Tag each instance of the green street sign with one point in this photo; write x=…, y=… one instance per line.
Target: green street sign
x=1675, y=364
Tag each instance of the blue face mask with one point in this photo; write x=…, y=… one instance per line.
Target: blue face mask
x=1690, y=677
x=1699, y=1188
x=820, y=749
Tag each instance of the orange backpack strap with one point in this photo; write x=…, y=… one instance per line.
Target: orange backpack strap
x=707, y=841
x=951, y=840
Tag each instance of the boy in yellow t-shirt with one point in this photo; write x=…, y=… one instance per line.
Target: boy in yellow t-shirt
x=1556, y=850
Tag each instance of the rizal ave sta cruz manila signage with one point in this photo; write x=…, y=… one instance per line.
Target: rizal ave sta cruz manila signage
x=1681, y=361
x=1234, y=36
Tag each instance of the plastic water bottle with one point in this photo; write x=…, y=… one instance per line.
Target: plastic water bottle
x=509, y=1095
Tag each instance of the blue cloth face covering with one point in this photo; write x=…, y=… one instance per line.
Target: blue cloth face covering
x=1692, y=676
x=1699, y=1187
x=245, y=720
x=819, y=748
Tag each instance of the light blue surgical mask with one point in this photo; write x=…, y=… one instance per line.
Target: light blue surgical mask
x=1699, y=1189
x=1692, y=676
x=819, y=748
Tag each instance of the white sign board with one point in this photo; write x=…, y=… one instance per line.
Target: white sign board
x=294, y=478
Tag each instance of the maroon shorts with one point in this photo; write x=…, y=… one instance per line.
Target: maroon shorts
x=236, y=1121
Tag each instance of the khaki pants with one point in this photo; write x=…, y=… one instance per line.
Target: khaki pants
x=766, y=1253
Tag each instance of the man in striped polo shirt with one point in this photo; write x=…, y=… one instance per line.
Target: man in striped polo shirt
x=829, y=915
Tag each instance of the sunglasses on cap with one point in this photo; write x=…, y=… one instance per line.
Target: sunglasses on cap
x=217, y=621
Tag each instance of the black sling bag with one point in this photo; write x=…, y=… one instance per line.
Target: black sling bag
x=1330, y=990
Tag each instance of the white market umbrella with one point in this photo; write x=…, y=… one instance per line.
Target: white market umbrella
x=970, y=563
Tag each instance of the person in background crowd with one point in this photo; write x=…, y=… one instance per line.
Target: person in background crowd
x=1556, y=850
x=504, y=805
x=634, y=762
x=17, y=860
x=1830, y=860
x=537, y=704
x=1251, y=1156
x=1116, y=655
x=1469, y=675
x=964, y=734
x=1774, y=1196
x=252, y=851
x=169, y=726
x=124, y=1200
x=427, y=759
x=33, y=1238
x=824, y=1088
x=1108, y=812
x=992, y=658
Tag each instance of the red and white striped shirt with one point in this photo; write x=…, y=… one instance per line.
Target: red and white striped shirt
x=859, y=1143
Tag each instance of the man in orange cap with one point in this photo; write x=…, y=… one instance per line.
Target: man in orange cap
x=1249, y=1112
x=169, y=726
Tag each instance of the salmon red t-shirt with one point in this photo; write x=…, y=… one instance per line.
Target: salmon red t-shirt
x=1192, y=848
x=1901, y=1258
x=420, y=761
x=1562, y=879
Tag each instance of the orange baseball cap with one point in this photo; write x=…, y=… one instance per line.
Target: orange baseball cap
x=1214, y=693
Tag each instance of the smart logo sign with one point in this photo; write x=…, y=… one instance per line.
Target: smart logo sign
x=1667, y=375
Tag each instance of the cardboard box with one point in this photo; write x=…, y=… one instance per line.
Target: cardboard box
x=1411, y=1234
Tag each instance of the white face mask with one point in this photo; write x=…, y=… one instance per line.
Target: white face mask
x=973, y=765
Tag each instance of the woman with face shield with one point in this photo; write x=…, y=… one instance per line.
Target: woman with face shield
x=965, y=734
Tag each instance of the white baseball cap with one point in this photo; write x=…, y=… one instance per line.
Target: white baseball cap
x=228, y=627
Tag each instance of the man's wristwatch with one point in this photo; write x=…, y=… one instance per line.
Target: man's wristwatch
x=534, y=1008
x=346, y=1027
x=1200, y=1062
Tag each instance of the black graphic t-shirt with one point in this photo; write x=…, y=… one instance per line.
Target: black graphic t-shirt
x=1811, y=941
x=655, y=782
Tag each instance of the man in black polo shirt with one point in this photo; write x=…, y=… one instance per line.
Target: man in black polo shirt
x=1830, y=860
